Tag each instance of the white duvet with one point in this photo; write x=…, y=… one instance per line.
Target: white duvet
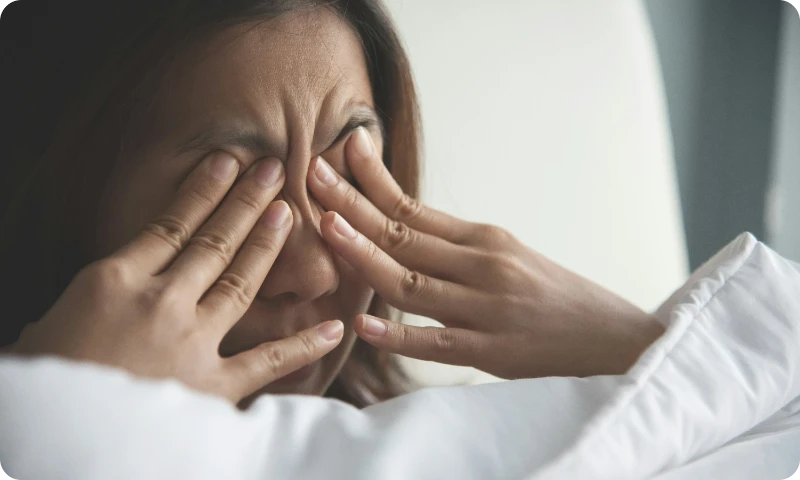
x=716, y=397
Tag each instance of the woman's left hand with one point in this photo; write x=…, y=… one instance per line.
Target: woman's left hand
x=506, y=309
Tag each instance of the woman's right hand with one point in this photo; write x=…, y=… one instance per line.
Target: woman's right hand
x=160, y=306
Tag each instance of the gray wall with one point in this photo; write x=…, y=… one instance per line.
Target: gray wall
x=784, y=218
x=719, y=62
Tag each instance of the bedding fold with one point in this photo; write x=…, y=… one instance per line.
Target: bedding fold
x=728, y=362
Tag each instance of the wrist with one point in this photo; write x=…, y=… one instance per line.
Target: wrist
x=644, y=331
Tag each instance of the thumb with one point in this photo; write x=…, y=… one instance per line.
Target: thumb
x=454, y=346
x=270, y=361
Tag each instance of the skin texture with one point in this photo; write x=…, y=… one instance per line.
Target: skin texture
x=273, y=79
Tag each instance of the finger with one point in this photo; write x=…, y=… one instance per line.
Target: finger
x=418, y=251
x=269, y=361
x=161, y=240
x=228, y=299
x=454, y=346
x=408, y=290
x=211, y=250
x=380, y=187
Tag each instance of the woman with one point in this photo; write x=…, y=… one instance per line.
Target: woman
x=236, y=190
x=261, y=90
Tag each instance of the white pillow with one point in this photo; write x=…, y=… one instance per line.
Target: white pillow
x=721, y=384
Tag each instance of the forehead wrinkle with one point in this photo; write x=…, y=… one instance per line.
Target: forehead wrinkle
x=295, y=112
x=297, y=89
x=302, y=87
x=341, y=87
x=334, y=63
x=307, y=102
x=314, y=31
x=334, y=107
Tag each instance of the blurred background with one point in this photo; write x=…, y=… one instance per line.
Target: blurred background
x=627, y=140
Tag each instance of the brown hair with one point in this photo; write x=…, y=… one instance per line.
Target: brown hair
x=75, y=69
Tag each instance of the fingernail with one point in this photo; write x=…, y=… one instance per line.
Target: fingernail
x=373, y=326
x=325, y=173
x=223, y=166
x=276, y=216
x=344, y=228
x=364, y=146
x=268, y=172
x=331, y=330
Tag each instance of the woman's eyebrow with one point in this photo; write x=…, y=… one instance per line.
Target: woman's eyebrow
x=365, y=117
x=217, y=136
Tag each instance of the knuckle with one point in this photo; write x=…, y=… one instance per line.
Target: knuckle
x=166, y=300
x=397, y=234
x=109, y=272
x=413, y=284
x=495, y=264
x=444, y=339
x=271, y=358
x=352, y=198
x=493, y=236
x=216, y=243
x=268, y=245
x=235, y=287
x=202, y=197
x=510, y=268
x=404, y=336
x=167, y=297
x=489, y=233
x=406, y=208
x=249, y=201
x=309, y=346
x=501, y=270
x=171, y=230
x=373, y=252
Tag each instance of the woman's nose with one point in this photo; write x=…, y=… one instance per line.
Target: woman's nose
x=305, y=269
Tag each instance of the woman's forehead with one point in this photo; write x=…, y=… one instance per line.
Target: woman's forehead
x=286, y=76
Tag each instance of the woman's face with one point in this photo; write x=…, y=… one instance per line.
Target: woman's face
x=292, y=88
